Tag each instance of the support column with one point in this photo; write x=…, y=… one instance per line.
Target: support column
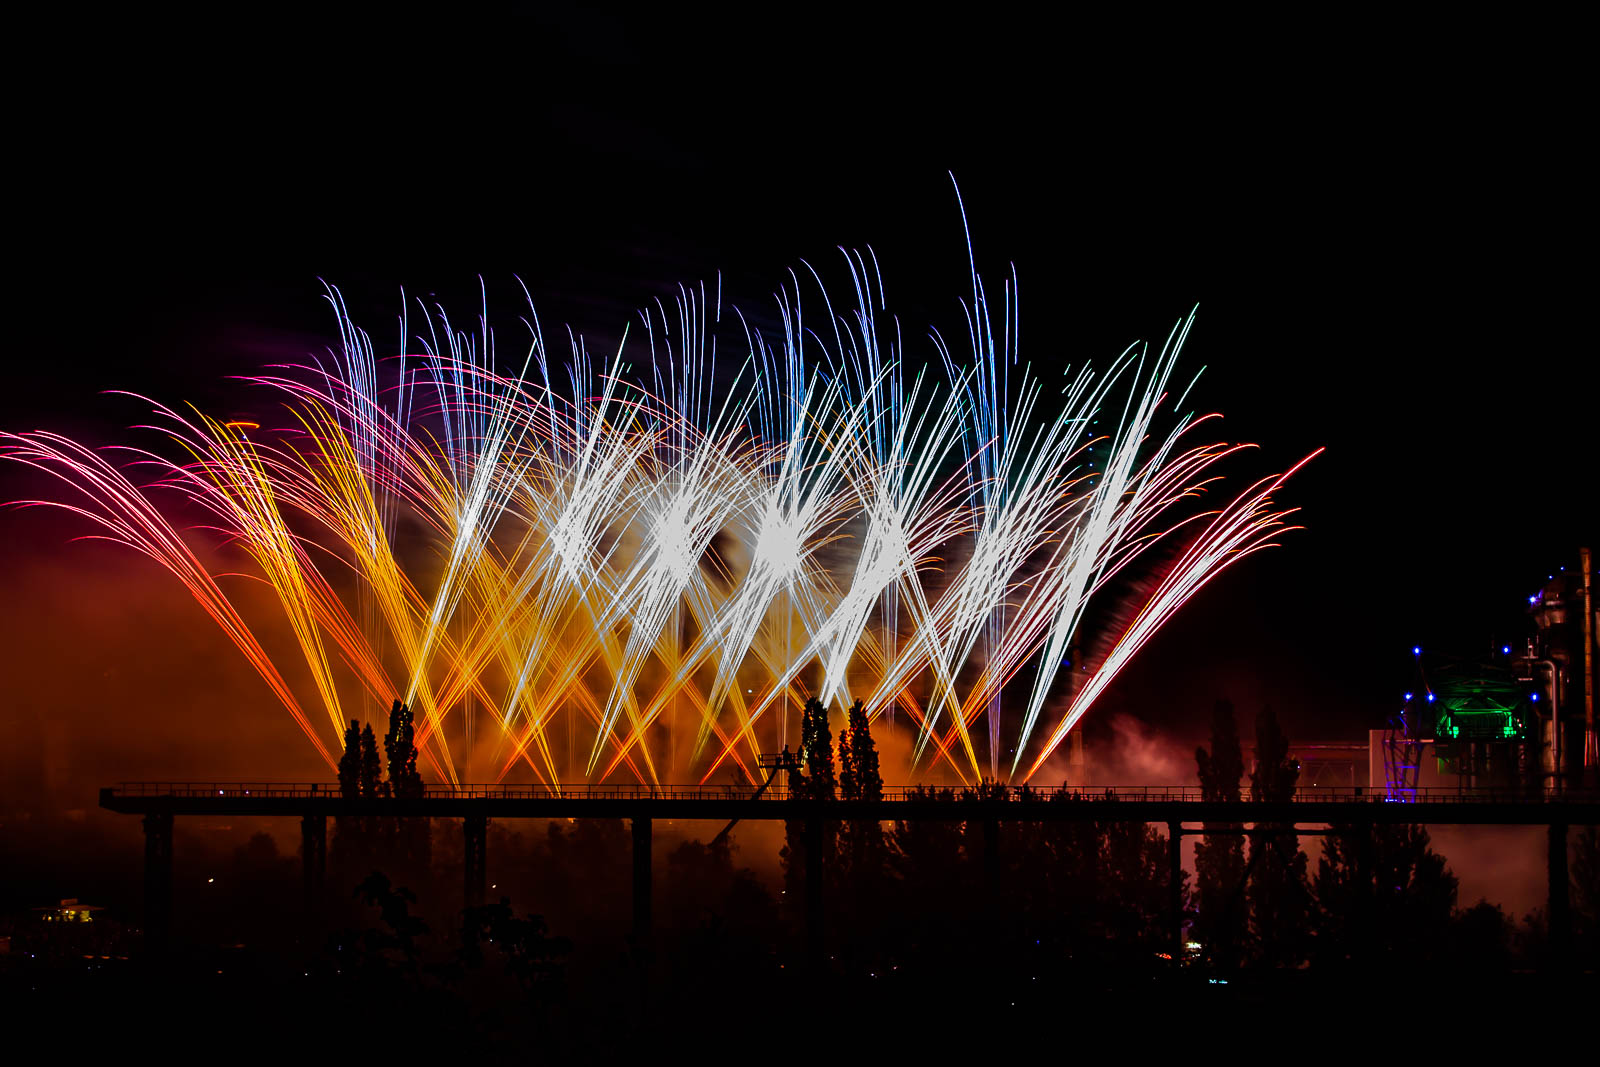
x=1560, y=899
x=814, y=943
x=474, y=854
x=157, y=882
x=314, y=862
x=1175, y=886
x=641, y=885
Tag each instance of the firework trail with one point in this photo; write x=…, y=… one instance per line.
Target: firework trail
x=655, y=570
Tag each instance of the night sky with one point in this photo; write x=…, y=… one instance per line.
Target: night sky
x=1383, y=257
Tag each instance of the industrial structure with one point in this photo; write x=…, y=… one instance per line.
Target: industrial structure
x=1520, y=716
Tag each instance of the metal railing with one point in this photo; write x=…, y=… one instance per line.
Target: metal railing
x=891, y=794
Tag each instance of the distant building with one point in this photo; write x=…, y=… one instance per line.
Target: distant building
x=68, y=911
x=68, y=932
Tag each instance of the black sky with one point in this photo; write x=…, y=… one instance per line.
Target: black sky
x=1381, y=225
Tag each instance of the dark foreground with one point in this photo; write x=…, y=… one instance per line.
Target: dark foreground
x=229, y=1011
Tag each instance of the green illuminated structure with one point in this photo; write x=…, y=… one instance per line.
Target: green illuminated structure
x=1477, y=703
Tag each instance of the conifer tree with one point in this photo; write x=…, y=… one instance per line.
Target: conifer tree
x=350, y=761
x=1219, y=857
x=816, y=746
x=413, y=835
x=862, y=840
x=370, y=776
x=400, y=749
x=350, y=841
x=849, y=784
x=862, y=851
x=815, y=781
x=864, y=754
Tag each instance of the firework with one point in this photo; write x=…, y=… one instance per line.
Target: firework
x=655, y=570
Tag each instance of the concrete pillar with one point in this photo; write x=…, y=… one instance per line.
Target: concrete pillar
x=814, y=940
x=641, y=885
x=157, y=882
x=1175, y=886
x=1560, y=899
x=314, y=862
x=474, y=853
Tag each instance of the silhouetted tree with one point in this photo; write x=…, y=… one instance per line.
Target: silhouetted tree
x=860, y=874
x=370, y=777
x=928, y=866
x=383, y=954
x=717, y=919
x=1135, y=902
x=1219, y=857
x=349, y=844
x=865, y=754
x=1585, y=871
x=528, y=952
x=815, y=781
x=350, y=761
x=849, y=784
x=1382, y=892
x=1279, y=895
x=1058, y=881
x=816, y=747
x=413, y=837
x=1481, y=939
x=400, y=749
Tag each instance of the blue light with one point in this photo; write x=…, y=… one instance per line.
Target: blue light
x=1505, y=650
x=1430, y=698
x=1408, y=697
x=1534, y=599
x=1534, y=697
x=1416, y=650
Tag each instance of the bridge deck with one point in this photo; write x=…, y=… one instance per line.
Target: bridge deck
x=713, y=803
